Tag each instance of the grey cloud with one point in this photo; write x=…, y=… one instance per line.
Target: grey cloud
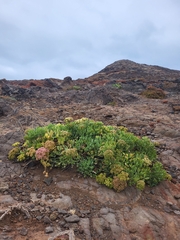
x=58, y=38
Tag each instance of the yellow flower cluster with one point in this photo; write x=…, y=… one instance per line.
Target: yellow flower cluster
x=13, y=153
x=120, y=181
x=122, y=128
x=116, y=169
x=50, y=145
x=108, y=154
x=49, y=134
x=101, y=178
x=108, y=182
x=64, y=133
x=81, y=120
x=68, y=119
x=21, y=157
x=140, y=185
x=30, y=152
x=26, y=143
x=70, y=152
x=62, y=136
x=121, y=142
x=16, y=144
x=147, y=161
x=168, y=176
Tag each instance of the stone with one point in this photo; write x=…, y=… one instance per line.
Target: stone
x=72, y=219
x=48, y=180
x=85, y=212
x=23, y=231
x=166, y=131
x=98, y=224
x=99, y=95
x=7, y=200
x=49, y=229
x=46, y=220
x=175, y=207
x=116, y=231
x=62, y=223
x=61, y=211
x=39, y=217
x=177, y=212
x=177, y=196
x=85, y=227
x=63, y=202
x=104, y=211
x=7, y=228
x=3, y=186
x=110, y=218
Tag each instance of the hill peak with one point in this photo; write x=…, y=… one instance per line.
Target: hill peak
x=126, y=64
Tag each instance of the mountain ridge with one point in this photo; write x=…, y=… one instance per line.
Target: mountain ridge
x=127, y=61
x=128, y=69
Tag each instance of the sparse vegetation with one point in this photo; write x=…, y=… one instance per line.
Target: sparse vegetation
x=117, y=85
x=113, y=103
x=153, y=92
x=112, y=155
x=75, y=87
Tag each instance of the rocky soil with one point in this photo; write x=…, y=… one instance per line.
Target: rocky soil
x=65, y=205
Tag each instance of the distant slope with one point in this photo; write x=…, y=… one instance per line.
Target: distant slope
x=126, y=71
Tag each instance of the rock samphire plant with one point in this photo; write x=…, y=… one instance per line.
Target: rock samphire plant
x=110, y=154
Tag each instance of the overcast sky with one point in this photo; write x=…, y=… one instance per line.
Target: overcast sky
x=77, y=38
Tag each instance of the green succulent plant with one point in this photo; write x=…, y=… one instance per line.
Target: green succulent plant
x=110, y=154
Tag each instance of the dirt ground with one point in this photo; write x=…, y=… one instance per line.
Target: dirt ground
x=98, y=213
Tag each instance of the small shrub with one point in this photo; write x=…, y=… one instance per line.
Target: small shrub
x=153, y=92
x=117, y=85
x=111, y=155
x=113, y=103
x=13, y=153
x=76, y=87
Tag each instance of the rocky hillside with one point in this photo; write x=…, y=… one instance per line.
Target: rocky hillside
x=143, y=98
x=136, y=77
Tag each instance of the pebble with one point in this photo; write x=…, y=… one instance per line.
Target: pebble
x=39, y=195
x=166, y=209
x=85, y=211
x=42, y=204
x=3, y=186
x=49, y=229
x=61, y=211
x=23, y=231
x=39, y=217
x=7, y=228
x=177, y=212
x=104, y=211
x=48, y=181
x=72, y=219
x=62, y=223
x=47, y=220
x=177, y=196
x=174, y=207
